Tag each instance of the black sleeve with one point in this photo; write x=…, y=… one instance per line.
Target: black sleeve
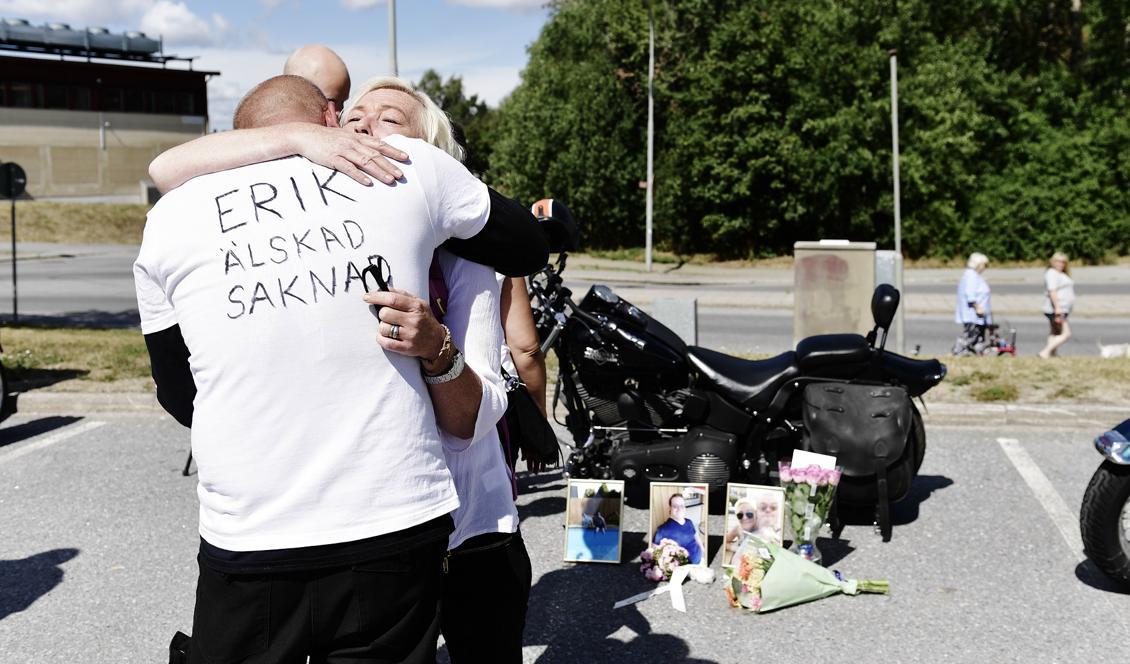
x=168, y=357
x=510, y=242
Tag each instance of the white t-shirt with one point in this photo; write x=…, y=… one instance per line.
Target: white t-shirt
x=486, y=504
x=305, y=431
x=1064, y=288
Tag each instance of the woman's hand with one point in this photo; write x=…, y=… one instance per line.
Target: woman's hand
x=418, y=333
x=353, y=154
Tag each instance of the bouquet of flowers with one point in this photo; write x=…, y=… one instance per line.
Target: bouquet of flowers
x=661, y=560
x=809, y=492
x=768, y=577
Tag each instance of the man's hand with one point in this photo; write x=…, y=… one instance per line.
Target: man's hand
x=353, y=154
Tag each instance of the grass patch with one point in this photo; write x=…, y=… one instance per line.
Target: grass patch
x=636, y=255
x=995, y=392
x=37, y=357
x=1031, y=379
x=74, y=223
x=116, y=361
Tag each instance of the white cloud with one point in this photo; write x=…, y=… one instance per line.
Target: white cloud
x=79, y=13
x=179, y=26
x=240, y=70
x=502, y=4
x=361, y=4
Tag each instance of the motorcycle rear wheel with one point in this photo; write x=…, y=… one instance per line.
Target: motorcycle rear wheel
x=1104, y=521
x=917, y=437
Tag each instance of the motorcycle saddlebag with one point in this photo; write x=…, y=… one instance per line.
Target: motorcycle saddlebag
x=866, y=428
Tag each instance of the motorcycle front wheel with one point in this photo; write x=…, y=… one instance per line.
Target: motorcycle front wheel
x=1104, y=521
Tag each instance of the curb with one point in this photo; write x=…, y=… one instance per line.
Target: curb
x=1098, y=417
x=60, y=403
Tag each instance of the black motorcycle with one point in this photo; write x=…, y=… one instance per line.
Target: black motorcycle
x=643, y=406
x=1104, y=519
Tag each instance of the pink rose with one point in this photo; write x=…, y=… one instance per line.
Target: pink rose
x=786, y=473
x=647, y=556
x=834, y=478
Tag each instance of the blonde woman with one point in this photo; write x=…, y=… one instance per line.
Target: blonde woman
x=1059, y=299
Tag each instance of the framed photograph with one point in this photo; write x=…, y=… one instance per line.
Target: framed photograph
x=593, y=515
x=678, y=513
x=754, y=509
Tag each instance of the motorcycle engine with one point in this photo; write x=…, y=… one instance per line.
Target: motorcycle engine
x=702, y=455
x=640, y=410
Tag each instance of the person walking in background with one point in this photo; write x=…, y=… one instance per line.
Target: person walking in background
x=973, y=310
x=1059, y=298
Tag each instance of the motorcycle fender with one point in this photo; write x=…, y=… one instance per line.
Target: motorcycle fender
x=1114, y=444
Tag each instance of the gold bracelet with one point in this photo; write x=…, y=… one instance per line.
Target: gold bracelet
x=443, y=349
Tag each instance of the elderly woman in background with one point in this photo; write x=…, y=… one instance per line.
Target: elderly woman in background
x=1059, y=298
x=973, y=311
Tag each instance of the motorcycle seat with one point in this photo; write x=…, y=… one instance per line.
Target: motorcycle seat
x=916, y=375
x=822, y=350
x=752, y=383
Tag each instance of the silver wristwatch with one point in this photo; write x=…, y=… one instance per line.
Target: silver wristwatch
x=451, y=374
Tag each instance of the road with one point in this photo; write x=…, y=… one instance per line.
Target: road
x=93, y=285
x=81, y=285
x=99, y=538
x=771, y=332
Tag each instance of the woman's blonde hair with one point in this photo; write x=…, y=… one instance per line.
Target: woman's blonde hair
x=1059, y=256
x=434, y=123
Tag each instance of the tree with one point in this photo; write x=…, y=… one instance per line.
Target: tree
x=772, y=123
x=573, y=129
x=471, y=116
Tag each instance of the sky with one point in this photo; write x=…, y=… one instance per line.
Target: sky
x=247, y=41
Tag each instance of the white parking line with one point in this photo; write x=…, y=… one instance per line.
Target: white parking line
x=1066, y=521
x=48, y=440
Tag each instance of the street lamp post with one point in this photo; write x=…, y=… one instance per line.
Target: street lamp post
x=900, y=341
x=650, y=134
x=392, y=37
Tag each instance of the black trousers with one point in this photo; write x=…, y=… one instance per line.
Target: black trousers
x=485, y=594
x=383, y=610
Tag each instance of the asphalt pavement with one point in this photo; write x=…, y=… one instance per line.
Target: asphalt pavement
x=99, y=528
x=99, y=539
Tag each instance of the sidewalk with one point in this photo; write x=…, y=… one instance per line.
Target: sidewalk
x=727, y=286
x=1078, y=416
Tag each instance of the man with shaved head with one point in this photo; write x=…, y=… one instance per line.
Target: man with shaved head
x=325, y=500
x=323, y=68
x=287, y=98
